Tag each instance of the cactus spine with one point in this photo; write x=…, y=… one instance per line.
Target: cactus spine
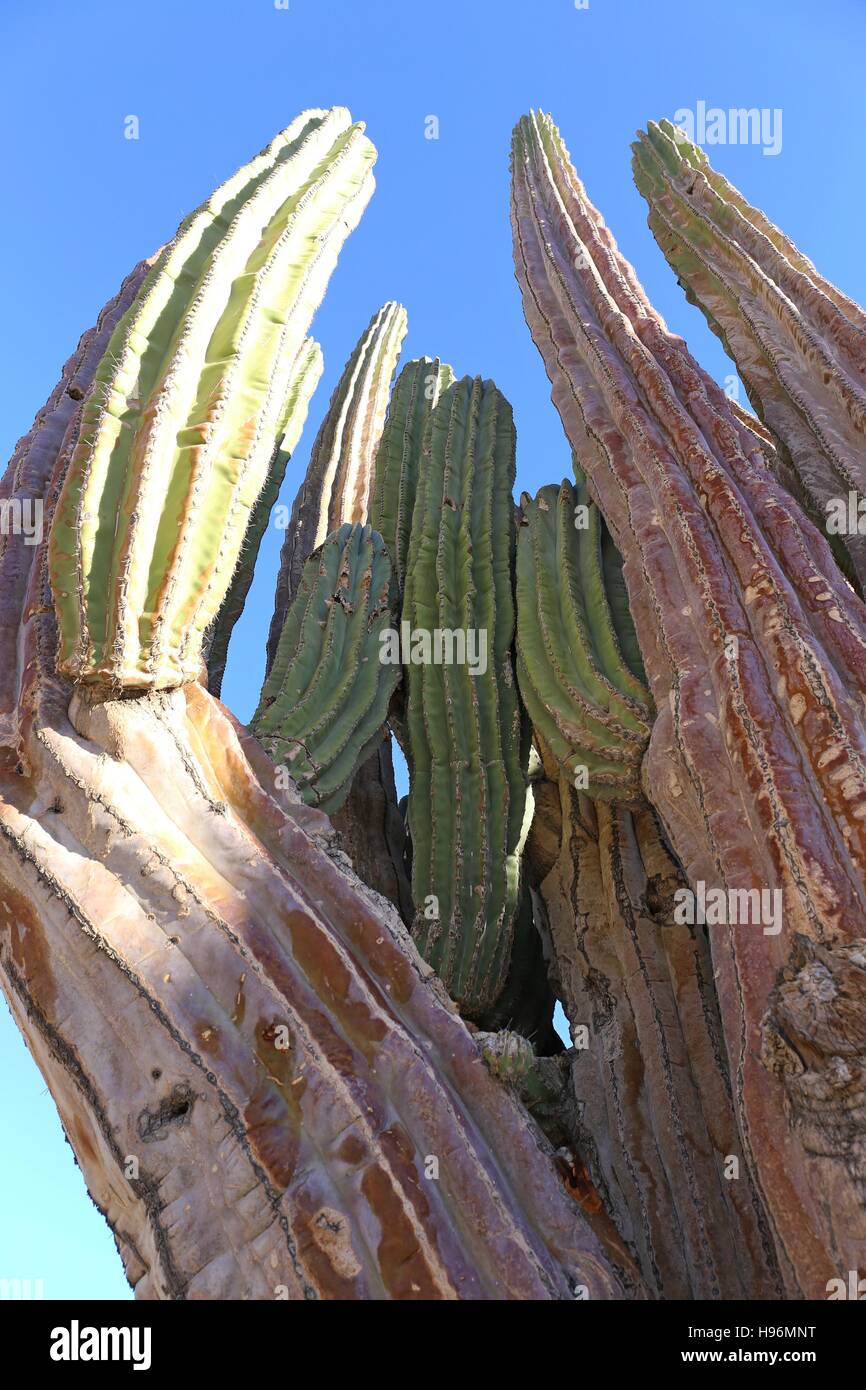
x=578, y=663
x=305, y=378
x=326, y=697
x=798, y=343
x=336, y=488
x=467, y=797
x=179, y=427
x=416, y=391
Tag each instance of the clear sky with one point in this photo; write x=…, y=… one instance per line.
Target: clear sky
x=211, y=81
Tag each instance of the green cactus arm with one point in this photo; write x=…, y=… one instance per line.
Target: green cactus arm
x=467, y=798
x=798, y=343
x=580, y=692
x=325, y=700
x=178, y=428
x=305, y=379
x=339, y=478
x=416, y=391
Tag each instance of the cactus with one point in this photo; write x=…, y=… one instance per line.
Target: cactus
x=753, y=645
x=416, y=391
x=179, y=426
x=578, y=663
x=326, y=697
x=336, y=488
x=798, y=343
x=305, y=378
x=467, y=798
x=205, y=985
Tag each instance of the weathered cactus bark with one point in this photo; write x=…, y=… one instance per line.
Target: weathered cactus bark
x=252, y=1064
x=325, y=701
x=799, y=343
x=467, y=793
x=755, y=649
x=654, y=1119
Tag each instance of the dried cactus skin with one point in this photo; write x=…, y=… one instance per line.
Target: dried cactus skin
x=305, y=378
x=798, y=343
x=416, y=392
x=578, y=663
x=656, y=1128
x=753, y=741
x=163, y=916
x=180, y=422
x=338, y=481
x=325, y=702
x=467, y=797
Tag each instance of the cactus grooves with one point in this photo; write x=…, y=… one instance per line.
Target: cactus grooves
x=340, y=474
x=208, y=989
x=336, y=490
x=799, y=344
x=578, y=663
x=467, y=797
x=325, y=701
x=754, y=652
x=179, y=427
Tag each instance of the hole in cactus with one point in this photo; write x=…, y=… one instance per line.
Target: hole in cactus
x=561, y=1024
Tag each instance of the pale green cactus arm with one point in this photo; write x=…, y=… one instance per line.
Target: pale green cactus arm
x=326, y=698
x=578, y=662
x=179, y=427
x=336, y=488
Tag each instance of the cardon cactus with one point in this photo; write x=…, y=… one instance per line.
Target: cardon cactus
x=467, y=797
x=179, y=427
x=753, y=645
x=398, y=461
x=798, y=343
x=336, y=488
x=305, y=378
x=207, y=987
x=326, y=696
x=578, y=663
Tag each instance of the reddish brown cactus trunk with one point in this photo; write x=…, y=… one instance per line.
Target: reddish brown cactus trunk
x=755, y=648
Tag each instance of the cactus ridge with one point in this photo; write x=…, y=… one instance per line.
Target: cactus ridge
x=179, y=427
x=578, y=662
x=305, y=378
x=416, y=391
x=798, y=343
x=325, y=700
x=467, y=799
x=339, y=478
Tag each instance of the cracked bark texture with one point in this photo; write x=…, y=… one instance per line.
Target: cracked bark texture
x=755, y=649
x=653, y=1117
x=249, y=1059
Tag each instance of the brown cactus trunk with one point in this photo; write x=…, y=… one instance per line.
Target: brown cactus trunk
x=267, y=1092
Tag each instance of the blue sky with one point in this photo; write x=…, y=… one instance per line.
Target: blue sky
x=211, y=81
